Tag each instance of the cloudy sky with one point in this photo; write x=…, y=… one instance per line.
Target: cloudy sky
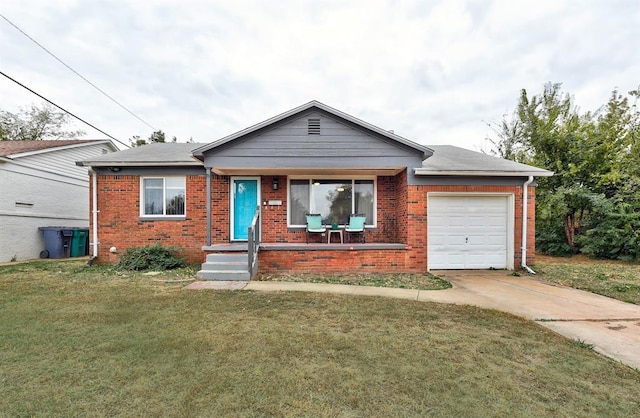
x=435, y=72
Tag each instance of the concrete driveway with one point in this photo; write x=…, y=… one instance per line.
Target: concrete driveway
x=613, y=327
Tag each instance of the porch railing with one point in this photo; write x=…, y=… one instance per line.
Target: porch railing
x=254, y=243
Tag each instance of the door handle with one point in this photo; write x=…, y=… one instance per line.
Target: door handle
x=466, y=240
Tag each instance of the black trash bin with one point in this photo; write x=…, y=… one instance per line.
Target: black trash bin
x=57, y=241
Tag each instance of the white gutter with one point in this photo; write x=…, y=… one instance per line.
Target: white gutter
x=483, y=173
x=525, y=204
x=94, y=211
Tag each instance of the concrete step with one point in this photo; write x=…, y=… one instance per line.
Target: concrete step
x=225, y=265
x=227, y=257
x=233, y=275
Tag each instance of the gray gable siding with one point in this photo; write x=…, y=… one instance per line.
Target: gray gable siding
x=288, y=145
x=62, y=161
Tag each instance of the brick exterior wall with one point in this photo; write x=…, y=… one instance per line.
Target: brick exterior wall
x=411, y=226
x=120, y=225
x=354, y=261
x=401, y=211
x=274, y=218
x=421, y=193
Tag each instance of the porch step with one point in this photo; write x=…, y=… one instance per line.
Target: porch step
x=225, y=266
x=223, y=275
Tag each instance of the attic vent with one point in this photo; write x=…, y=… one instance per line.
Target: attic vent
x=313, y=128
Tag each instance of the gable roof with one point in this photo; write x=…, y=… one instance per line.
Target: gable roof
x=448, y=160
x=310, y=106
x=156, y=154
x=11, y=149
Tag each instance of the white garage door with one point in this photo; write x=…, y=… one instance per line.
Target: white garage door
x=467, y=232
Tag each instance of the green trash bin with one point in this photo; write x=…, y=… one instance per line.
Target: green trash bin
x=79, y=242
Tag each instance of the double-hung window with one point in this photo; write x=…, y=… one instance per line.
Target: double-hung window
x=334, y=199
x=163, y=196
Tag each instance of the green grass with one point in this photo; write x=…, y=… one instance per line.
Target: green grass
x=423, y=281
x=614, y=279
x=79, y=341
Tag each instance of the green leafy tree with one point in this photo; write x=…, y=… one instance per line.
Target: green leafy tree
x=35, y=123
x=157, y=136
x=595, y=157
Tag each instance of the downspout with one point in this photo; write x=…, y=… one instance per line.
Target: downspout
x=94, y=213
x=208, y=170
x=525, y=222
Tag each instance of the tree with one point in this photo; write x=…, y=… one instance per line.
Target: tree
x=596, y=160
x=36, y=123
x=156, y=136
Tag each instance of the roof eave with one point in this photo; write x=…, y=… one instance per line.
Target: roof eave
x=482, y=173
x=138, y=163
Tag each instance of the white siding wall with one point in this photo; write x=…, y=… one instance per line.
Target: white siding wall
x=46, y=189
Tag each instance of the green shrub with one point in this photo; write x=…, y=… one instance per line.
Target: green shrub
x=616, y=235
x=150, y=257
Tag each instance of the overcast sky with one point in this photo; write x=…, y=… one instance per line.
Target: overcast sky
x=435, y=72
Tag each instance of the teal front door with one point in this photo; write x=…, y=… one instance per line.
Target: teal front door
x=244, y=201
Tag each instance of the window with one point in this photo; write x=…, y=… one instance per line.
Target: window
x=163, y=196
x=334, y=199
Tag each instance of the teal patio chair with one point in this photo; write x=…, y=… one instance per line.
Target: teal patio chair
x=314, y=224
x=356, y=226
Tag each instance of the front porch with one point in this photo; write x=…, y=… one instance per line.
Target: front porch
x=277, y=258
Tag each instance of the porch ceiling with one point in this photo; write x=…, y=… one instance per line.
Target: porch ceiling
x=312, y=171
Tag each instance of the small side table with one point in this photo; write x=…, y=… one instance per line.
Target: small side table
x=334, y=231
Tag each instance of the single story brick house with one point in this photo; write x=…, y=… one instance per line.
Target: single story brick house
x=240, y=203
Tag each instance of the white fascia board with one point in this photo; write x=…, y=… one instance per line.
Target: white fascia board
x=138, y=164
x=427, y=172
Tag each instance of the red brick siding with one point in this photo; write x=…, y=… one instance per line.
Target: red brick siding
x=359, y=261
x=220, y=224
x=401, y=211
x=274, y=218
x=413, y=227
x=120, y=226
x=517, y=193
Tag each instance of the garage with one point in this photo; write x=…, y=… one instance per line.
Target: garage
x=467, y=231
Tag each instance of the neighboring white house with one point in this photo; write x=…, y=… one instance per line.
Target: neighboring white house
x=40, y=185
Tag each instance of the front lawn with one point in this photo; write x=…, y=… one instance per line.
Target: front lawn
x=615, y=279
x=77, y=341
x=424, y=281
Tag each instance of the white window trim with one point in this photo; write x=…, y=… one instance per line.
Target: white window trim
x=332, y=177
x=164, y=199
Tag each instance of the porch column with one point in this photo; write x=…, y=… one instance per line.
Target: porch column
x=208, y=171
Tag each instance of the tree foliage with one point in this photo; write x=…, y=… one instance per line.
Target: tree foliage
x=592, y=202
x=36, y=122
x=156, y=136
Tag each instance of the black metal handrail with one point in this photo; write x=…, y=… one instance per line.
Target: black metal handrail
x=254, y=243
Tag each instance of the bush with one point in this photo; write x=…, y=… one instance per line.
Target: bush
x=150, y=257
x=616, y=235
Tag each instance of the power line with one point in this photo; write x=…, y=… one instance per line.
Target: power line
x=64, y=110
x=77, y=73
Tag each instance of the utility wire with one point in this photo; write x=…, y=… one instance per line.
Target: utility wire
x=77, y=73
x=64, y=110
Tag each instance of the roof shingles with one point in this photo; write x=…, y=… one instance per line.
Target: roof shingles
x=8, y=148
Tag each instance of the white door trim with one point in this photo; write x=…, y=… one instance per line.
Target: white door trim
x=510, y=218
x=232, y=181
